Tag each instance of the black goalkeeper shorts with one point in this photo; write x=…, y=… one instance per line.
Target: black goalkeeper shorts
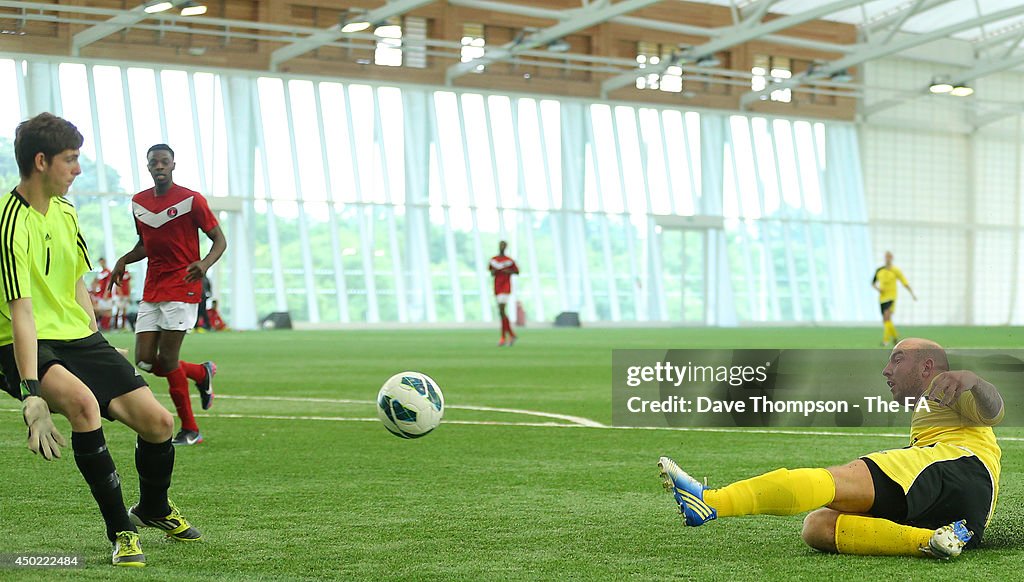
x=91, y=359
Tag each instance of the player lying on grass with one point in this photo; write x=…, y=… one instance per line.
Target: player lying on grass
x=932, y=498
x=52, y=357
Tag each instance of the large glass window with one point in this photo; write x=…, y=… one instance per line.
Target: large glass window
x=360, y=203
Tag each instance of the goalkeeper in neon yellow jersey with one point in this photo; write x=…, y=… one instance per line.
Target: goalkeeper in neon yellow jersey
x=53, y=358
x=884, y=282
x=932, y=498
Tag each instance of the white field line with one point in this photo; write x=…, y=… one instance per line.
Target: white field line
x=573, y=419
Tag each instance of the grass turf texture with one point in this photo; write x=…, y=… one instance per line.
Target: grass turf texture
x=286, y=499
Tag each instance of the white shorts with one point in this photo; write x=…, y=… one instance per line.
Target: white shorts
x=502, y=298
x=166, y=316
x=105, y=304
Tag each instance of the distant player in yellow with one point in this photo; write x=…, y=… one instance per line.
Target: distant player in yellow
x=885, y=283
x=932, y=498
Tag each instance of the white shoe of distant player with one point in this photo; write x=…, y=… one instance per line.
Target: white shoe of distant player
x=949, y=540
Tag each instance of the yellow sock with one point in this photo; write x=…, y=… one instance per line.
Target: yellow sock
x=874, y=536
x=885, y=332
x=891, y=330
x=781, y=492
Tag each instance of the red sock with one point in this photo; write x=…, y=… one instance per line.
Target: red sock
x=104, y=322
x=178, y=387
x=506, y=327
x=195, y=372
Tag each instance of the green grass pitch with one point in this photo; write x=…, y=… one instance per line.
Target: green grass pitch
x=295, y=482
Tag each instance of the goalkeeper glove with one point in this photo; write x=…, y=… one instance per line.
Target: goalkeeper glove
x=43, y=436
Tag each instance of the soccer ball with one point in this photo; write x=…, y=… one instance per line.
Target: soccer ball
x=410, y=404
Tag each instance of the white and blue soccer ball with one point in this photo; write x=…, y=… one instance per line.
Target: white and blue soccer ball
x=410, y=404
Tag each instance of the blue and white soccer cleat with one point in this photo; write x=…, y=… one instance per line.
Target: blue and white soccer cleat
x=949, y=540
x=689, y=493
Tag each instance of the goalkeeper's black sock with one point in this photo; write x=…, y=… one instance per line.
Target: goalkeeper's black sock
x=155, y=463
x=94, y=461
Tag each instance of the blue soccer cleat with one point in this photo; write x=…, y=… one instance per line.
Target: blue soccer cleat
x=689, y=493
x=949, y=540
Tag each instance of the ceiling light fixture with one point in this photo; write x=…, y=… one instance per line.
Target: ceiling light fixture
x=193, y=9
x=388, y=31
x=962, y=91
x=158, y=7
x=355, y=26
x=941, y=85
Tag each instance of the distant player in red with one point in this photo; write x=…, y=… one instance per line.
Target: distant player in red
x=215, y=320
x=502, y=268
x=102, y=301
x=122, y=300
x=168, y=218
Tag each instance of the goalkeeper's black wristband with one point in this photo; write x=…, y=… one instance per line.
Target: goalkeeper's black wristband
x=29, y=388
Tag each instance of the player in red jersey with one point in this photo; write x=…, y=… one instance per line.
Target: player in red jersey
x=102, y=300
x=168, y=218
x=122, y=300
x=502, y=268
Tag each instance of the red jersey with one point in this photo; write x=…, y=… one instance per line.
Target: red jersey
x=125, y=288
x=216, y=322
x=99, y=285
x=168, y=226
x=503, y=268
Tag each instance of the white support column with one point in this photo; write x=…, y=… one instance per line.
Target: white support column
x=653, y=276
x=312, y=298
x=713, y=137
x=101, y=174
x=767, y=236
x=663, y=139
x=627, y=216
x=526, y=219
x=553, y=216
x=451, y=256
x=787, y=246
x=573, y=242
x=365, y=234
x=58, y=107
x=809, y=247
x=606, y=247
x=340, y=286
x=500, y=203
x=844, y=200
x=602, y=217
x=417, y=203
x=161, y=109
x=280, y=297
x=1016, y=255
x=197, y=135
x=239, y=120
x=129, y=121
x=41, y=92
x=396, y=253
x=21, y=81
x=479, y=259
